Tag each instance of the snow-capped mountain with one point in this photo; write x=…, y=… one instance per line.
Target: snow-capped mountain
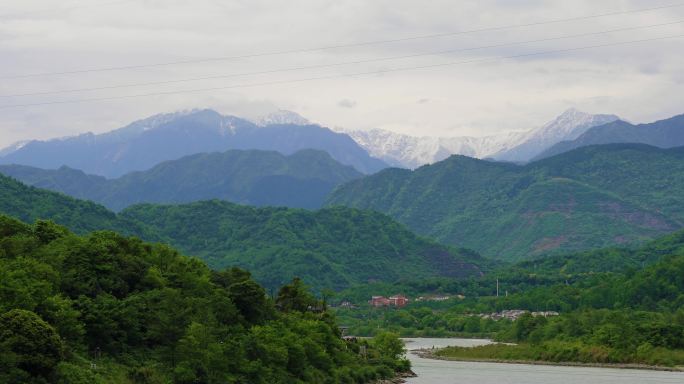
x=411, y=152
x=281, y=116
x=14, y=147
x=568, y=126
x=147, y=142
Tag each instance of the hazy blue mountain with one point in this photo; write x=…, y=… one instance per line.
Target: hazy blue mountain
x=145, y=143
x=253, y=177
x=666, y=133
x=590, y=197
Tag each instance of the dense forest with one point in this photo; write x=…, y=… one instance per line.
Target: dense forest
x=589, y=198
x=104, y=308
x=330, y=248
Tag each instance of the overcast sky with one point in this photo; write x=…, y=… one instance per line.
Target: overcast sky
x=640, y=82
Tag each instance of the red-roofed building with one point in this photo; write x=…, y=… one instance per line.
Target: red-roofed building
x=379, y=301
x=394, y=301
x=398, y=300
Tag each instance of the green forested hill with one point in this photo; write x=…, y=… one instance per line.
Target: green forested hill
x=262, y=178
x=587, y=198
x=332, y=248
x=30, y=204
x=108, y=309
x=615, y=305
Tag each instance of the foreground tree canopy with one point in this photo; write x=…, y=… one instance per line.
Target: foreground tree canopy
x=111, y=309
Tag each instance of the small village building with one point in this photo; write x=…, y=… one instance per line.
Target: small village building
x=347, y=304
x=379, y=301
x=393, y=301
x=398, y=301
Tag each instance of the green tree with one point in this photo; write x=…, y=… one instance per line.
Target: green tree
x=33, y=344
x=295, y=297
x=389, y=345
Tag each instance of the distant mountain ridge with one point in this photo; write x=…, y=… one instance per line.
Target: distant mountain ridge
x=666, y=133
x=252, y=177
x=146, y=143
x=411, y=152
x=568, y=126
x=281, y=116
x=590, y=197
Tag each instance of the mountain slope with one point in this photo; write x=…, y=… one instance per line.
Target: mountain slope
x=411, y=152
x=281, y=116
x=667, y=133
x=568, y=126
x=29, y=204
x=406, y=151
x=145, y=143
x=253, y=177
x=588, y=198
x=332, y=248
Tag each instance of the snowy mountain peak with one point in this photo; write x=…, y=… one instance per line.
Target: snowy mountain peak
x=281, y=116
x=14, y=147
x=409, y=151
x=569, y=125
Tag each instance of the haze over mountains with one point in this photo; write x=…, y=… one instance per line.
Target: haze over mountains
x=145, y=143
x=410, y=152
x=588, y=197
x=667, y=133
x=250, y=177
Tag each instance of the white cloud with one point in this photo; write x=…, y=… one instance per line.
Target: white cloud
x=639, y=81
x=346, y=103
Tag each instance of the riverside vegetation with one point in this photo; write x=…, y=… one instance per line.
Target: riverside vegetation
x=620, y=306
x=103, y=308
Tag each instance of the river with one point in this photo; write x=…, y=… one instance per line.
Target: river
x=456, y=372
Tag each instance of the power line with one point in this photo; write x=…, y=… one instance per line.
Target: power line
x=358, y=44
x=434, y=53
x=431, y=66
x=62, y=9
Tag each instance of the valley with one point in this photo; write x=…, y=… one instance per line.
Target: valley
x=355, y=192
x=572, y=259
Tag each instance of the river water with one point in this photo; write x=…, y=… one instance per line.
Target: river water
x=456, y=372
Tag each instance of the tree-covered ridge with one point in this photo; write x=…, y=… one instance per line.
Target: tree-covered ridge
x=29, y=204
x=536, y=284
x=584, y=199
x=330, y=248
x=103, y=308
x=251, y=177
